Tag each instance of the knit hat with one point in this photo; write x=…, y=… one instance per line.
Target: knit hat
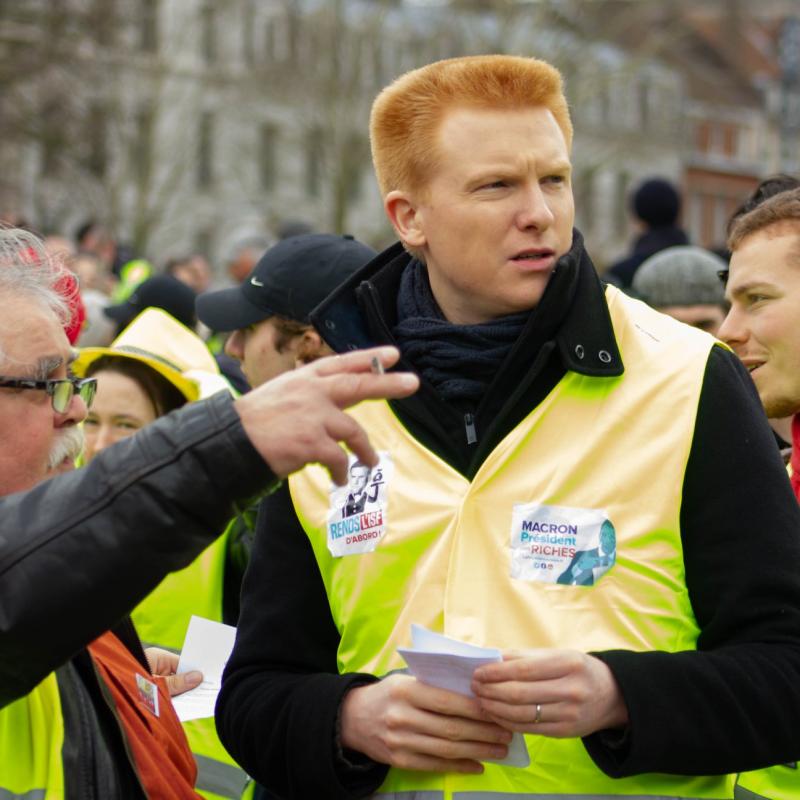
x=680, y=276
x=657, y=203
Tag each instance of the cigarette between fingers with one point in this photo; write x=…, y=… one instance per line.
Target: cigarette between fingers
x=376, y=365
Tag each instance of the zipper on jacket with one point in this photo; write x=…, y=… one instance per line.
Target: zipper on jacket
x=469, y=425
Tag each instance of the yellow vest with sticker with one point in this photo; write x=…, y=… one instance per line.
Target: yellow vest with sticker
x=568, y=537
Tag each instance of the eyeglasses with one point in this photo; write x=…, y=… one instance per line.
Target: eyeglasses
x=61, y=391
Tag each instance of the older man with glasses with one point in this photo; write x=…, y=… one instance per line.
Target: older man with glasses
x=83, y=712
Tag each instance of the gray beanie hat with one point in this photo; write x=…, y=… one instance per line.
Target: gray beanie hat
x=680, y=276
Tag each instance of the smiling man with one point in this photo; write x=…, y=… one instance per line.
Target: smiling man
x=764, y=291
x=557, y=417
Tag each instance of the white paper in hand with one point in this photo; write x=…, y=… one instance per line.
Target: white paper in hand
x=207, y=647
x=448, y=664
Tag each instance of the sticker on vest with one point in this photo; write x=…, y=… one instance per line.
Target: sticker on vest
x=148, y=693
x=357, y=515
x=558, y=544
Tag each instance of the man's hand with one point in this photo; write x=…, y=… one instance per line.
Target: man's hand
x=576, y=693
x=164, y=664
x=297, y=418
x=404, y=723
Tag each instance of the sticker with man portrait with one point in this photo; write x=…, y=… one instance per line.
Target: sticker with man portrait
x=559, y=544
x=357, y=514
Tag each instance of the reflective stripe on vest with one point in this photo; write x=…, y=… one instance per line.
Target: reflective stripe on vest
x=161, y=620
x=517, y=796
x=409, y=796
x=443, y=556
x=31, y=737
x=224, y=780
x=781, y=782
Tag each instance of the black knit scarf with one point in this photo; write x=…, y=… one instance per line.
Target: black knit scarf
x=460, y=361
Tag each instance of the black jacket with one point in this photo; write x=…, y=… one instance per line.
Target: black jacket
x=649, y=243
x=78, y=552
x=731, y=705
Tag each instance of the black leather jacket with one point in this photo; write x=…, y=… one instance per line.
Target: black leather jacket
x=78, y=552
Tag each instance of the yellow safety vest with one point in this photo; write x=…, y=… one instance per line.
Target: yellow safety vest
x=161, y=620
x=31, y=737
x=516, y=558
x=776, y=783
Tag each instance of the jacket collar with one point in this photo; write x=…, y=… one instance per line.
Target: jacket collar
x=585, y=338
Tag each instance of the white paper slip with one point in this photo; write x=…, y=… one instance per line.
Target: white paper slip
x=207, y=648
x=448, y=664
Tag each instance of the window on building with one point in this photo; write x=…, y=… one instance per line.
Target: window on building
x=267, y=161
x=51, y=136
x=644, y=105
x=208, y=33
x=97, y=140
x=584, y=191
x=205, y=142
x=142, y=152
x=702, y=137
x=148, y=26
x=314, y=156
x=358, y=153
x=203, y=241
x=248, y=40
x=730, y=143
x=621, y=202
x=104, y=21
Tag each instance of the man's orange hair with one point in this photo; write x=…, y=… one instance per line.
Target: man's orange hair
x=406, y=115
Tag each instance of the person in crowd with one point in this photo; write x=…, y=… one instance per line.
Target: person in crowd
x=96, y=239
x=769, y=187
x=656, y=206
x=552, y=410
x=155, y=366
x=763, y=286
x=79, y=548
x=683, y=282
x=193, y=270
x=160, y=291
x=268, y=313
x=95, y=287
x=245, y=255
x=764, y=292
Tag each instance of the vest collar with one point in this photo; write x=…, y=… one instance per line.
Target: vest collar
x=585, y=339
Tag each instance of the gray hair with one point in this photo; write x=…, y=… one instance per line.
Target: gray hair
x=27, y=270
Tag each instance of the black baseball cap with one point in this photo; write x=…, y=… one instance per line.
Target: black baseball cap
x=291, y=278
x=160, y=291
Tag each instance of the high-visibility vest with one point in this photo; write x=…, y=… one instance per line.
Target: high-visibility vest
x=32, y=732
x=161, y=620
x=503, y=561
x=31, y=737
x=775, y=783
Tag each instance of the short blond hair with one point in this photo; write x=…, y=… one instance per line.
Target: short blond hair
x=406, y=115
x=780, y=208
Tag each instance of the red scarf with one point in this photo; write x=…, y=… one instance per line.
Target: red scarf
x=796, y=455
